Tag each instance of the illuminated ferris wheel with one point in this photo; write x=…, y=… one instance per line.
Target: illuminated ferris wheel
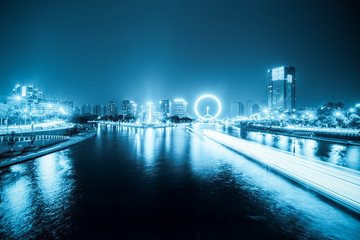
x=207, y=116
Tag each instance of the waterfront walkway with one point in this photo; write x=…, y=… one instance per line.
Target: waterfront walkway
x=73, y=140
x=141, y=125
x=340, y=184
x=41, y=127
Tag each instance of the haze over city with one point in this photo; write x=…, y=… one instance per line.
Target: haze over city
x=98, y=51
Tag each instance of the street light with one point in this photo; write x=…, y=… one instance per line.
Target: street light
x=337, y=114
x=61, y=110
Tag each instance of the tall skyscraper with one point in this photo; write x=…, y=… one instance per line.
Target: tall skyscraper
x=111, y=108
x=281, y=89
x=86, y=109
x=129, y=108
x=236, y=109
x=27, y=92
x=165, y=107
x=76, y=111
x=179, y=107
x=248, y=109
x=97, y=110
x=26, y=97
x=256, y=108
x=104, y=111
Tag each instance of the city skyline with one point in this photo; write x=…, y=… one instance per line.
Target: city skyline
x=180, y=119
x=159, y=56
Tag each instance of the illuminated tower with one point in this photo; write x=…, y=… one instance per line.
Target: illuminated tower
x=180, y=107
x=165, y=107
x=281, y=89
x=129, y=108
x=111, y=108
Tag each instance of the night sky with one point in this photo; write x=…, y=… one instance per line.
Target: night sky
x=96, y=51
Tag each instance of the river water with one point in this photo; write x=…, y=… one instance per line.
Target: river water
x=163, y=184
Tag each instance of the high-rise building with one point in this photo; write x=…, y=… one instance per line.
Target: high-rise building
x=143, y=109
x=248, y=111
x=104, y=111
x=256, y=108
x=111, y=108
x=236, y=109
x=27, y=92
x=25, y=97
x=165, y=107
x=86, y=109
x=179, y=107
x=129, y=108
x=97, y=110
x=76, y=111
x=281, y=89
x=125, y=104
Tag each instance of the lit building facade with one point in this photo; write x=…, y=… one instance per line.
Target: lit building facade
x=86, y=109
x=111, y=108
x=27, y=92
x=104, y=111
x=25, y=97
x=281, y=89
x=97, y=110
x=179, y=107
x=236, y=109
x=129, y=108
x=165, y=107
x=248, y=111
x=256, y=108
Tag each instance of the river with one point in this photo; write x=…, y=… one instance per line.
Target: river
x=170, y=183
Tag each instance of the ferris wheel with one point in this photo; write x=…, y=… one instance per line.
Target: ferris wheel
x=207, y=115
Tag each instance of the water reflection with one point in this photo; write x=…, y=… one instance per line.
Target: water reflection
x=34, y=192
x=126, y=175
x=149, y=146
x=295, y=207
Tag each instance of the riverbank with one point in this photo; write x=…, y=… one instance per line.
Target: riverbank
x=332, y=138
x=337, y=183
x=141, y=125
x=36, y=130
x=56, y=147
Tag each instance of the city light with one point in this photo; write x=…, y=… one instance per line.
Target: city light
x=207, y=96
x=62, y=110
x=337, y=114
x=149, y=104
x=325, y=181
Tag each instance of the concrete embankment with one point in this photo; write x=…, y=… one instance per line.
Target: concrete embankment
x=20, y=146
x=28, y=156
x=337, y=183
